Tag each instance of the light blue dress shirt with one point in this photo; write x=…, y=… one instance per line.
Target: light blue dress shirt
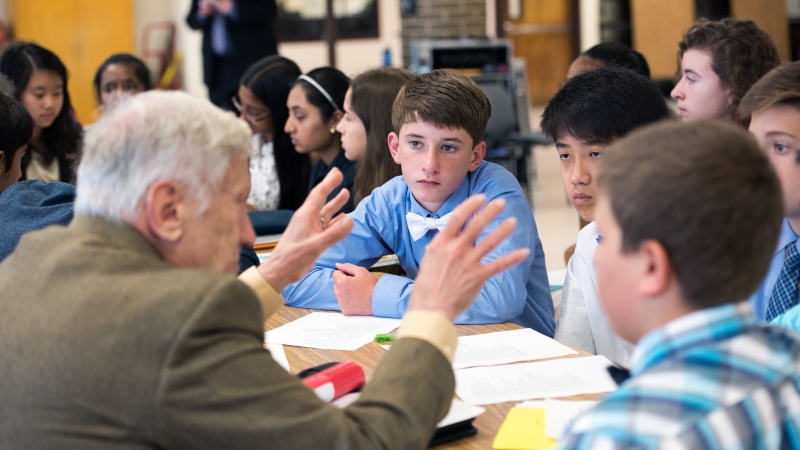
x=760, y=298
x=521, y=294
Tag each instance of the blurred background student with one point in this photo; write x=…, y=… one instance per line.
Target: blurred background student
x=720, y=61
x=316, y=105
x=120, y=76
x=366, y=125
x=609, y=53
x=278, y=174
x=40, y=80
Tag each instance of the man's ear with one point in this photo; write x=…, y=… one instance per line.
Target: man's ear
x=394, y=144
x=165, y=211
x=478, y=153
x=656, y=271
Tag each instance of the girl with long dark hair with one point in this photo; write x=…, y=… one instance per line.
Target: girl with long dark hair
x=40, y=80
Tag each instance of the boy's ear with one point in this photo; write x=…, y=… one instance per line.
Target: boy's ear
x=394, y=143
x=657, y=272
x=478, y=153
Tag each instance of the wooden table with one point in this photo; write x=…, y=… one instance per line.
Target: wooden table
x=368, y=357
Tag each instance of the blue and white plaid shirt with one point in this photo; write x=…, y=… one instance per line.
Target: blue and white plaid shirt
x=713, y=379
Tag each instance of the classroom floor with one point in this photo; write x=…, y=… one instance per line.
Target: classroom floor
x=556, y=220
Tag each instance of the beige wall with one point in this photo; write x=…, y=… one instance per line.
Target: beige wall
x=353, y=56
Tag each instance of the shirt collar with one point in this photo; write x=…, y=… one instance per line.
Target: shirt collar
x=786, y=237
x=701, y=327
x=455, y=199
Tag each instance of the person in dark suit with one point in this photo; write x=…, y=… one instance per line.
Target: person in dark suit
x=127, y=329
x=236, y=34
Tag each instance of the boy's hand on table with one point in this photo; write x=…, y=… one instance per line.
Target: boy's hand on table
x=353, y=287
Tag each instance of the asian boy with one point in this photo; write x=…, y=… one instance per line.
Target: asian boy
x=438, y=120
x=689, y=214
x=590, y=112
x=772, y=107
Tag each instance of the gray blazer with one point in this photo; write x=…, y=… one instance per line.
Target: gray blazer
x=105, y=346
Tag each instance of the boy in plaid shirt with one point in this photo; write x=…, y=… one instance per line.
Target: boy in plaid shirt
x=689, y=215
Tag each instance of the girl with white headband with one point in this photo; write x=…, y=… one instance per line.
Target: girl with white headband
x=316, y=104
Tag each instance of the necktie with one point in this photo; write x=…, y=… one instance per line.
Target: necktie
x=219, y=38
x=784, y=293
x=418, y=226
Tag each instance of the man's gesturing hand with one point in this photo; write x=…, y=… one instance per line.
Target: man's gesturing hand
x=451, y=274
x=310, y=232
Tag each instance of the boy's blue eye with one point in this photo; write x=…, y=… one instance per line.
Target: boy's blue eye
x=414, y=144
x=781, y=148
x=449, y=148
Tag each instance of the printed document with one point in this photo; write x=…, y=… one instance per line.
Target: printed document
x=516, y=382
x=506, y=347
x=331, y=331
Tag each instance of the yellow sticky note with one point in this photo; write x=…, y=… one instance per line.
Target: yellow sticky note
x=523, y=429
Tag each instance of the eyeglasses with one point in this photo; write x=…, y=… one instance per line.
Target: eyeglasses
x=252, y=118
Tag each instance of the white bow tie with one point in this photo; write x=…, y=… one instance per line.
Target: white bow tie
x=418, y=226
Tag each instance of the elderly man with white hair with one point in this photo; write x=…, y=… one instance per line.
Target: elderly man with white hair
x=127, y=329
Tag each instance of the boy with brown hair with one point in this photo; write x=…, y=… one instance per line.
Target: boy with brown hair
x=439, y=119
x=720, y=61
x=772, y=106
x=689, y=214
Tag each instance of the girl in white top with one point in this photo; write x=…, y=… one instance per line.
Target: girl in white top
x=278, y=174
x=40, y=79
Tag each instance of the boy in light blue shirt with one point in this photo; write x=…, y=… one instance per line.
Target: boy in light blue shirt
x=439, y=119
x=772, y=107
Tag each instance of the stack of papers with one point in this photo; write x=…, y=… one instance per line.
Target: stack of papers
x=331, y=331
x=516, y=382
x=506, y=347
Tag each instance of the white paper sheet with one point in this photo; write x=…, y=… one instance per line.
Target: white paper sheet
x=330, y=331
x=459, y=411
x=515, y=382
x=560, y=413
x=506, y=347
x=279, y=355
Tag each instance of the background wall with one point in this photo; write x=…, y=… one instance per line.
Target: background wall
x=82, y=33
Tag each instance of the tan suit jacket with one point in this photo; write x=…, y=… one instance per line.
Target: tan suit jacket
x=105, y=346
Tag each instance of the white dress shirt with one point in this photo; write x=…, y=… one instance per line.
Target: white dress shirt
x=582, y=322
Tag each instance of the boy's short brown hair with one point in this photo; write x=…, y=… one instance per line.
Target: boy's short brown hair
x=707, y=193
x=445, y=99
x=741, y=53
x=780, y=86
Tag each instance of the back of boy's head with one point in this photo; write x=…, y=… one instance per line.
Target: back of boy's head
x=621, y=55
x=741, y=53
x=780, y=86
x=602, y=105
x=445, y=99
x=706, y=193
x=16, y=129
